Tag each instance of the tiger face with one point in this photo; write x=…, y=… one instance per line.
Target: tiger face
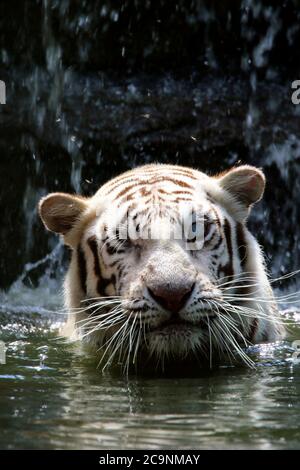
x=163, y=265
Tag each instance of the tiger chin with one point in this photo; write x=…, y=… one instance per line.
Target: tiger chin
x=164, y=270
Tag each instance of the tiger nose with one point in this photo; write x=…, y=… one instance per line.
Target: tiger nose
x=172, y=299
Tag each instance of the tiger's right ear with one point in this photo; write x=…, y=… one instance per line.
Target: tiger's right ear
x=60, y=211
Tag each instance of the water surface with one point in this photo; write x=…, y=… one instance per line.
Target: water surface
x=53, y=397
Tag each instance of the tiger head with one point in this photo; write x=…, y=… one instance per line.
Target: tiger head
x=163, y=264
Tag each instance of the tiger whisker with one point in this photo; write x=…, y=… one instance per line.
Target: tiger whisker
x=229, y=276
x=138, y=339
x=99, y=328
x=125, y=336
x=96, y=309
x=231, y=321
x=130, y=345
x=109, y=342
x=98, y=305
x=221, y=344
x=210, y=343
x=104, y=298
x=234, y=327
x=118, y=345
x=266, y=299
x=99, y=315
x=228, y=334
x=241, y=276
x=242, y=281
x=109, y=320
x=247, y=299
x=252, y=313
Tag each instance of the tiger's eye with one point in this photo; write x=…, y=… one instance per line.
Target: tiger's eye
x=127, y=243
x=192, y=236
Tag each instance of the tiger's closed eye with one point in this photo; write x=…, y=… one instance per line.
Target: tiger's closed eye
x=207, y=224
x=134, y=244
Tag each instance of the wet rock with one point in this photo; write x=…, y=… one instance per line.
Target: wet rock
x=93, y=91
x=143, y=36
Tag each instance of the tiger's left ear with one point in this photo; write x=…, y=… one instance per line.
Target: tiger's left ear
x=245, y=183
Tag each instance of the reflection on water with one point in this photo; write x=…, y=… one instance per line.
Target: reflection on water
x=52, y=396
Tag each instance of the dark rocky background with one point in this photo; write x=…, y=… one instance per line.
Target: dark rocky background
x=96, y=87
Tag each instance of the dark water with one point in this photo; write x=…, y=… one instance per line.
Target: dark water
x=53, y=397
x=93, y=90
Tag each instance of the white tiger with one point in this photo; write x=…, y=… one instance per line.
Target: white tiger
x=202, y=295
